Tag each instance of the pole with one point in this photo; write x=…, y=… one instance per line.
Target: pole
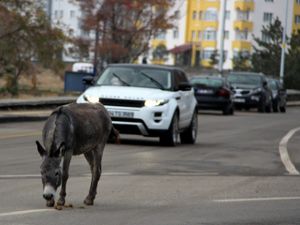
x=222, y=28
x=283, y=46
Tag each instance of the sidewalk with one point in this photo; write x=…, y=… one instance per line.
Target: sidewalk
x=36, y=112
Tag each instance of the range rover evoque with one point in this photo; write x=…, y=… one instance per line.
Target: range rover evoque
x=147, y=100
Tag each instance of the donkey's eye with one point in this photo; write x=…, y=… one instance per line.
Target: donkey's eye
x=56, y=174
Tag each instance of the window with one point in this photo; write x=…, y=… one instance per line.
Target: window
x=177, y=14
x=243, y=15
x=194, y=15
x=210, y=15
x=298, y=2
x=193, y=35
x=199, y=35
x=297, y=19
x=265, y=37
x=226, y=34
x=200, y=15
x=209, y=35
x=241, y=34
x=268, y=17
x=227, y=15
x=175, y=33
x=269, y=0
x=72, y=13
x=161, y=36
x=207, y=53
x=242, y=53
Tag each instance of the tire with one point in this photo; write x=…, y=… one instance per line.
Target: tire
x=189, y=136
x=228, y=110
x=275, y=106
x=171, y=137
x=269, y=107
x=282, y=109
x=262, y=106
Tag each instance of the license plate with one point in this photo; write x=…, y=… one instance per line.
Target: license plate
x=204, y=91
x=239, y=100
x=123, y=114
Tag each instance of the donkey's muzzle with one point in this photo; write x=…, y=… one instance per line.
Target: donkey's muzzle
x=48, y=196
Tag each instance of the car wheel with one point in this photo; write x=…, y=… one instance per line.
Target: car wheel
x=189, y=136
x=262, y=106
x=171, y=137
x=282, y=109
x=275, y=106
x=228, y=110
x=269, y=107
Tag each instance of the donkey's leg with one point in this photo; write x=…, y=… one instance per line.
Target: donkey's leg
x=65, y=176
x=95, y=159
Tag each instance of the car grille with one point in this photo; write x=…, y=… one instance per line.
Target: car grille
x=245, y=92
x=122, y=102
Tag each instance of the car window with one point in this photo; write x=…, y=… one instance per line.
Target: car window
x=136, y=77
x=206, y=81
x=273, y=84
x=244, y=79
x=179, y=77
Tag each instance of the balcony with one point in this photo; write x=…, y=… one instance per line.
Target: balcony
x=241, y=44
x=243, y=25
x=208, y=44
x=246, y=5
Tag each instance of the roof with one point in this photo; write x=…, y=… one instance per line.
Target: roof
x=245, y=73
x=181, y=48
x=148, y=66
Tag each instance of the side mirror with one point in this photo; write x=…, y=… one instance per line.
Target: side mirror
x=185, y=86
x=88, y=80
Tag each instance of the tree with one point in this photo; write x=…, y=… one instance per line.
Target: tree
x=241, y=62
x=26, y=36
x=267, y=51
x=292, y=67
x=123, y=28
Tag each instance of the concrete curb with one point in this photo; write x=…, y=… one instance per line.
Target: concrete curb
x=39, y=109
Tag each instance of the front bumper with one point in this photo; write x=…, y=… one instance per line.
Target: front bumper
x=147, y=121
x=251, y=101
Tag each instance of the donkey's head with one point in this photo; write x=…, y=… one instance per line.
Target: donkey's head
x=50, y=170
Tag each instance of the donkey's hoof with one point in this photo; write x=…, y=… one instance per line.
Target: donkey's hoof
x=88, y=201
x=50, y=203
x=61, y=202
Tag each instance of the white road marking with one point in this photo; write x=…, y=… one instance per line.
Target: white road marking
x=15, y=213
x=284, y=155
x=256, y=199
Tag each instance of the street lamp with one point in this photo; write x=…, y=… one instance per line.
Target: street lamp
x=283, y=46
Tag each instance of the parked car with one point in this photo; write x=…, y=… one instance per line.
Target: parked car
x=213, y=92
x=278, y=95
x=250, y=91
x=147, y=100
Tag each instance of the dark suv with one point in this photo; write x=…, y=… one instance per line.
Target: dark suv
x=278, y=95
x=251, y=91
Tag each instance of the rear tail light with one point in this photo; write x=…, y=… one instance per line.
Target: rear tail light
x=223, y=93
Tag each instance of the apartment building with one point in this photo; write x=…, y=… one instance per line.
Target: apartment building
x=197, y=31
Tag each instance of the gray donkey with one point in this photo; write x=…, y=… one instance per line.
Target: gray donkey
x=73, y=129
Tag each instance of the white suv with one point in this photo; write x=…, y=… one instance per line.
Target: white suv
x=148, y=100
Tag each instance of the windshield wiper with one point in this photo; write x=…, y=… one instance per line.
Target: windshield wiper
x=120, y=79
x=159, y=85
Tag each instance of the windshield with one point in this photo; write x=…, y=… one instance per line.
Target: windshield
x=244, y=79
x=136, y=77
x=272, y=84
x=206, y=81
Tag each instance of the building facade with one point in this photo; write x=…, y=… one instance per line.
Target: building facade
x=200, y=29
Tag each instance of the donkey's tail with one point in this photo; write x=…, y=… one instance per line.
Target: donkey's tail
x=114, y=136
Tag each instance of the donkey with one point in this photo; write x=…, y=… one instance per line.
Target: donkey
x=73, y=129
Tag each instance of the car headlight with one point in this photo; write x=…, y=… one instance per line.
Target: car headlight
x=256, y=91
x=152, y=103
x=91, y=99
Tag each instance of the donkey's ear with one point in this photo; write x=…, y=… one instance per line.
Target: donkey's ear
x=60, y=151
x=40, y=149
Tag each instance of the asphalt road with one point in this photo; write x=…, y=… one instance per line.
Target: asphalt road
x=233, y=175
